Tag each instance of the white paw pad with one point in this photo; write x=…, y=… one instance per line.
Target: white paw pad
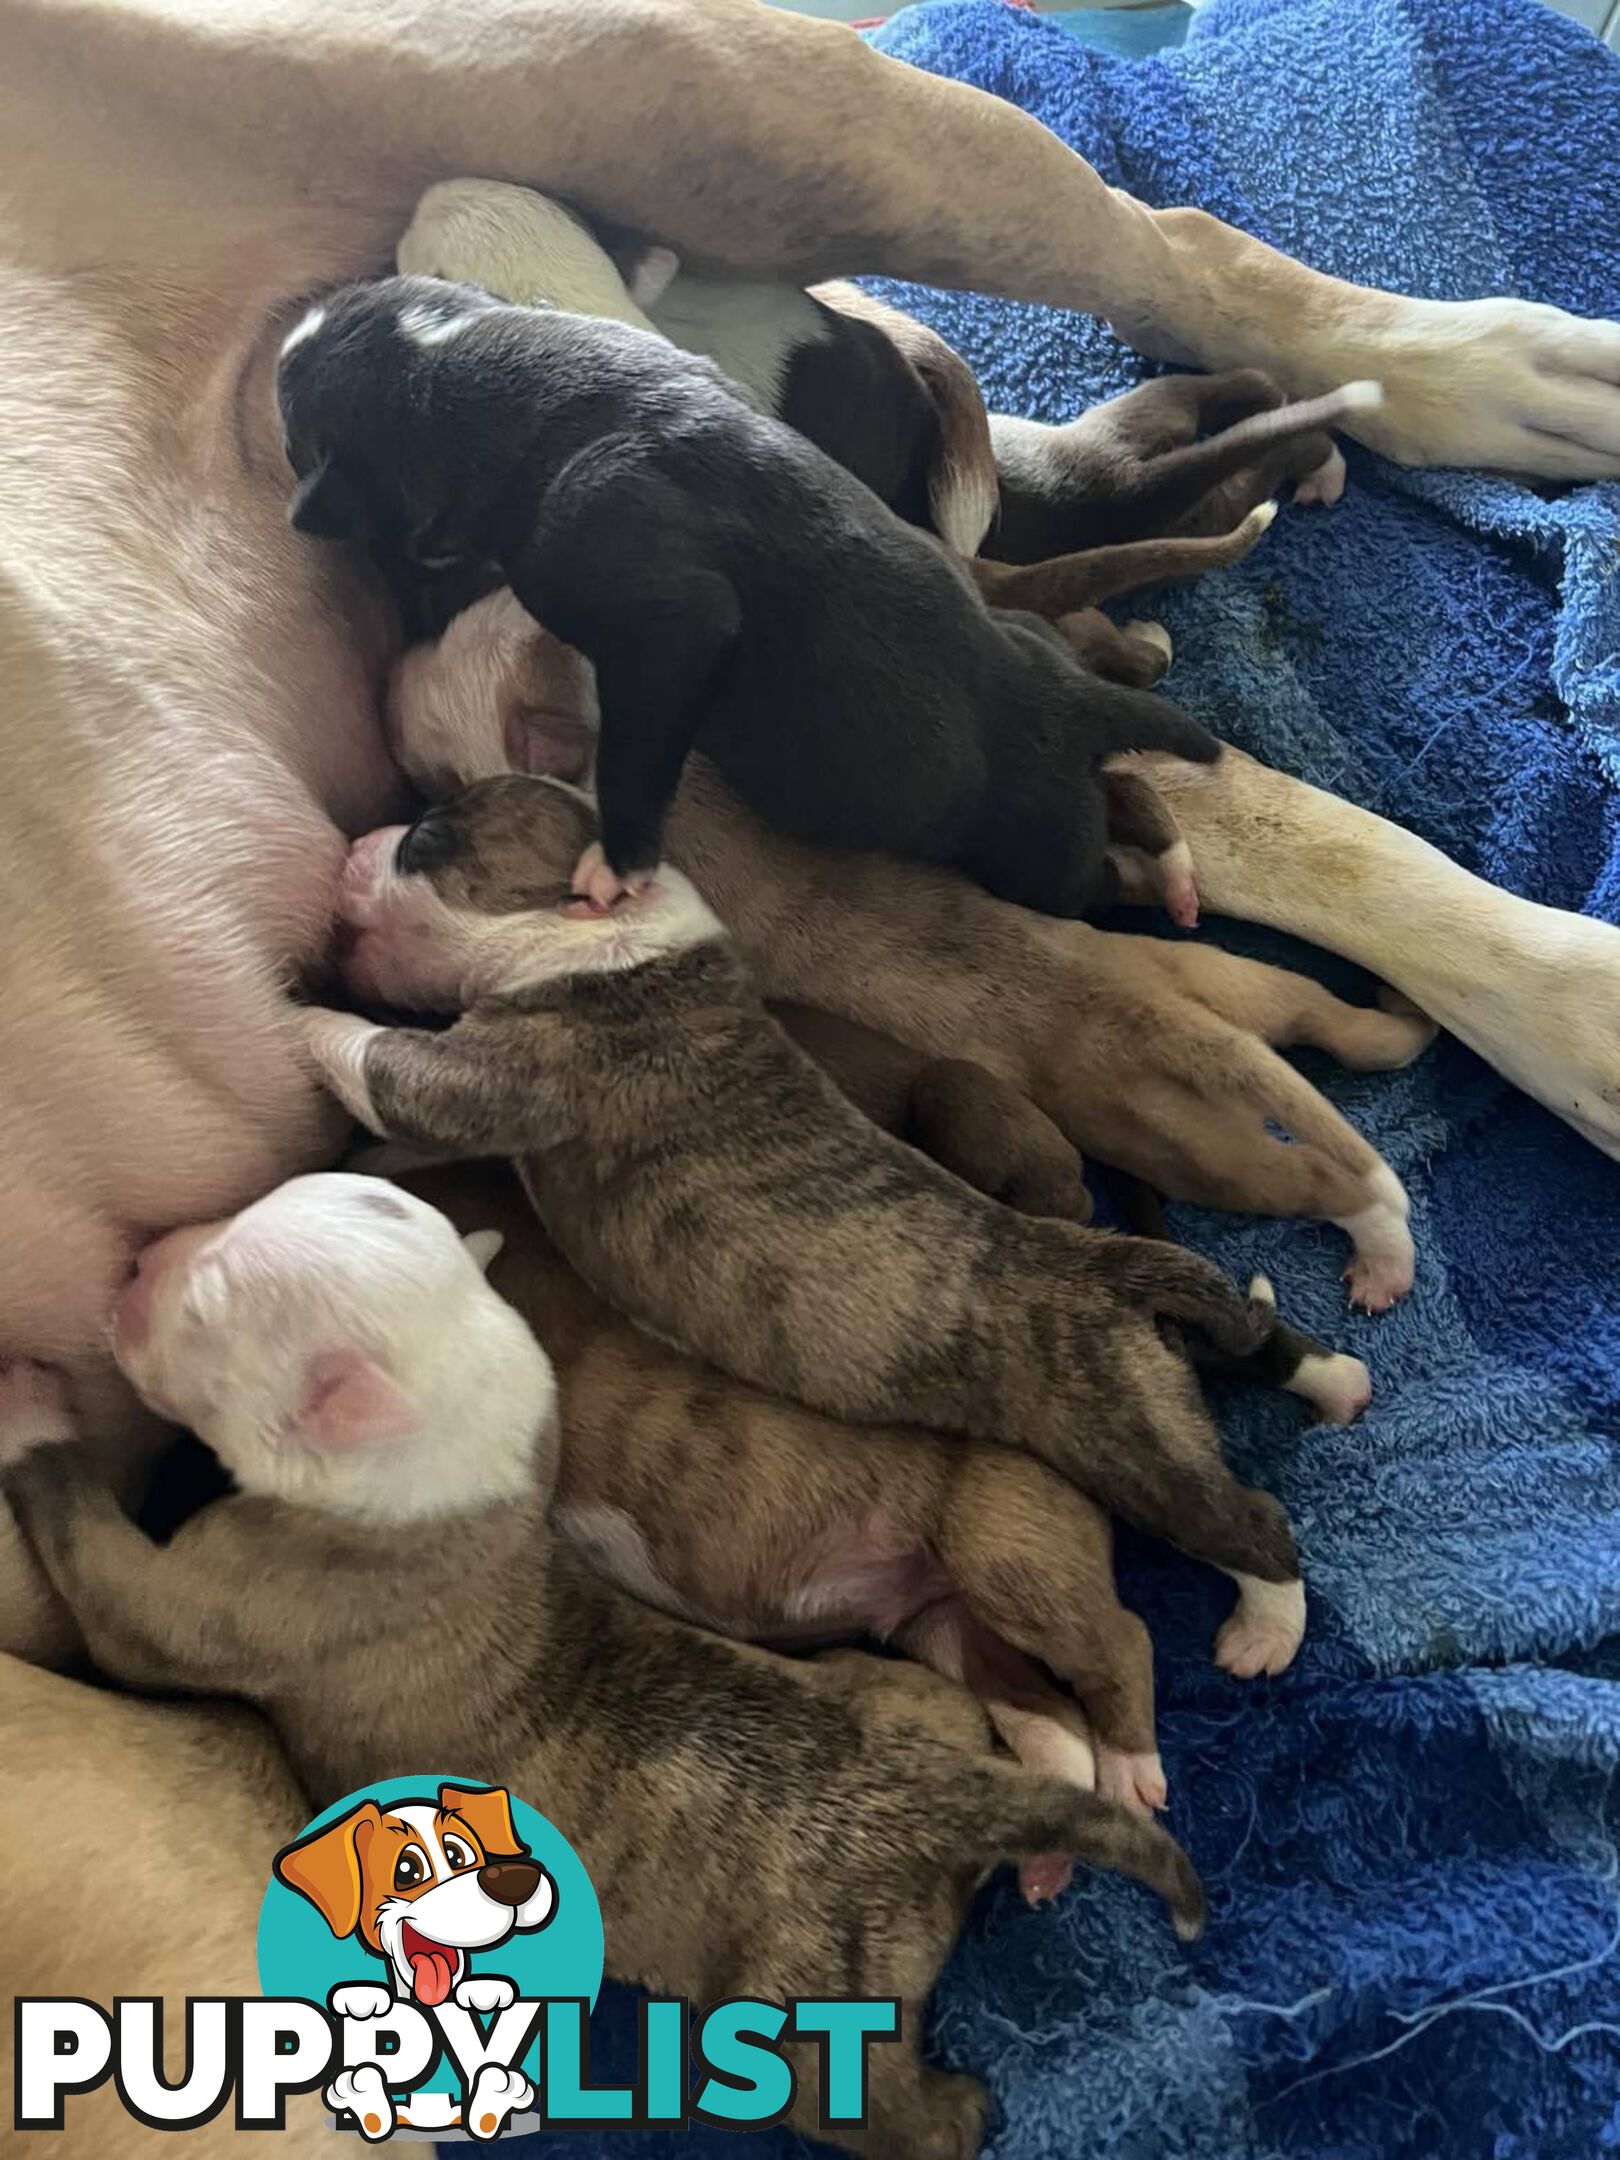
x=497, y=2095
x=362, y=2094
x=485, y=1992
x=1337, y=1387
x=34, y=1409
x=360, y=1999
x=1266, y=1627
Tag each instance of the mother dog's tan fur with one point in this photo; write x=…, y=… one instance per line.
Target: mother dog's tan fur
x=188, y=694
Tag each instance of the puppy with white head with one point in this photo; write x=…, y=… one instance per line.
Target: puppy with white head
x=327, y=1338
x=703, y=1782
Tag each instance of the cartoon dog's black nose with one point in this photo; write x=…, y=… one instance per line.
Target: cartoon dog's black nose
x=509, y=1882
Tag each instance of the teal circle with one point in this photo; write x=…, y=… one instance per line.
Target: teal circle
x=299, y=1955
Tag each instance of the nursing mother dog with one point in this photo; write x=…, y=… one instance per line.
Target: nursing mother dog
x=189, y=694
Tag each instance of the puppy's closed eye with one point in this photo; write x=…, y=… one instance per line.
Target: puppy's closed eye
x=430, y=843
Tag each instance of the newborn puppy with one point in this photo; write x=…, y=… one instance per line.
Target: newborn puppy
x=784, y=1526
x=390, y=1422
x=923, y=955
x=702, y=1173
x=730, y=584
x=882, y=394
x=779, y=1524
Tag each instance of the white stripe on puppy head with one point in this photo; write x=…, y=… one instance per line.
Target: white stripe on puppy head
x=302, y=332
x=427, y=326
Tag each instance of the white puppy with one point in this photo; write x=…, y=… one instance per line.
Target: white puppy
x=326, y=1339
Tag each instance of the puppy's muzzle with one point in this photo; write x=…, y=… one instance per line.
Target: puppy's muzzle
x=509, y=1882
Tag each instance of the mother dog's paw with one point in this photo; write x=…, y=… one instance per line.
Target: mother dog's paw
x=1507, y=383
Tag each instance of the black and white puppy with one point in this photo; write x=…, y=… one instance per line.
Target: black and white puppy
x=731, y=585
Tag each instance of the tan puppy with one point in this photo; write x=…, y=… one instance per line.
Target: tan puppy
x=390, y=1423
x=149, y=1830
x=1153, y=1057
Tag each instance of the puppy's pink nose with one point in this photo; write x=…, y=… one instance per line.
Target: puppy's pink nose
x=132, y=1314
x=365, y=872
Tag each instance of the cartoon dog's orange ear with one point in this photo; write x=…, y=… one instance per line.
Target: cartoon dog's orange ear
x=325, y=1866
x=488, y=1815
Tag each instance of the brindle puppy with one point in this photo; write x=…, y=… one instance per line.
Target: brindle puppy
x=385, y=1587
x=700, y=1171
x=781, y=1525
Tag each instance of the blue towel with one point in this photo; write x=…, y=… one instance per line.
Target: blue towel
x=1409, y=1839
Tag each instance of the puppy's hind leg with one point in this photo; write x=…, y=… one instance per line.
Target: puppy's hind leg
x=1042, y=1728
x=1033, y=1561
x=1138, y=654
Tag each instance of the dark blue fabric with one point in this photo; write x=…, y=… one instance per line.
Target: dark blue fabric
x=1409, y=1838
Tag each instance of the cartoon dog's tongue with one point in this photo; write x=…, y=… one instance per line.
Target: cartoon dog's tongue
x=433, y=1967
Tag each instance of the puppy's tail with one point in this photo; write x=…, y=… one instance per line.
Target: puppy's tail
x=1174, y=1284
x=1120, y=718
x=1021, y=1815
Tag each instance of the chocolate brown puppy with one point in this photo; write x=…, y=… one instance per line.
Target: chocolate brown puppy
x=1184, y=456
x=385, y=1587
x=731, y=585
x=699, y=1170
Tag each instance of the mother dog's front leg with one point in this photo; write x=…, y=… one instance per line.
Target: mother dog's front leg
x=769, y=142
x=1534, y=990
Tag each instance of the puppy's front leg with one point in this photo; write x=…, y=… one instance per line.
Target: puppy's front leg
x=1534, y=990
x=654, y=618
x=457, y=1089
x=157, y=1617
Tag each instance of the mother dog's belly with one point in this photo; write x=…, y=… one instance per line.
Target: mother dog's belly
x=188, y=728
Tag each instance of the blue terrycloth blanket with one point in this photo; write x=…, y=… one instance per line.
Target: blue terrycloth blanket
x=1409, y=1839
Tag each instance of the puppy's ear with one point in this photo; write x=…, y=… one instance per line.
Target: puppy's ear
x=326, y=504
x=488, y=1815
x=485, y=1247
x=548, y=745
x=325, y=1866
x=348, y=1401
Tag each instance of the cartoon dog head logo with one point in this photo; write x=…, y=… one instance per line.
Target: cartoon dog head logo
x=422, y=1883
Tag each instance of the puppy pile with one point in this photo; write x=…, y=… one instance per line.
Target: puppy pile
x=831, y=1350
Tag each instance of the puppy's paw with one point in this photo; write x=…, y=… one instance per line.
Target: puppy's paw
x=362, y=2094
x=34, y=1409
x=1325, y=485
x=597, y=887
x=360, y=1999
x=1378, y=1280
x=497, y=2095
x=484, y=1992
x=1338, y=1388
x=335, y=1043
x=1154, y=634
x=1137, y=1782
x=1265, y=1629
